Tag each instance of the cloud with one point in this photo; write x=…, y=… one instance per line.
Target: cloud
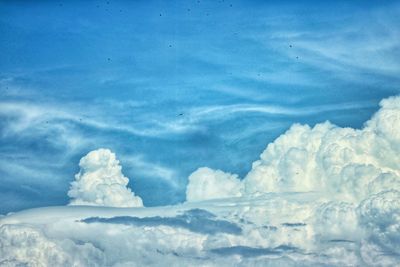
x=344, y=163
x=380, y=214
x=150, y=169
x=228, y=111
x=26, y=245
x=206, y=183
x=100, y=182
x=195, y=220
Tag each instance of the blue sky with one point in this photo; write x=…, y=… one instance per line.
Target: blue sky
x=171, y=86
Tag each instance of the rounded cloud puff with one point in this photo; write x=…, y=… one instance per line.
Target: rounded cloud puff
x=23, y=245
x=100, y=182
x=206, y=183
x=381, y=215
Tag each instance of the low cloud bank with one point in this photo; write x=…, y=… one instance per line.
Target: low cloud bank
x=100, y=182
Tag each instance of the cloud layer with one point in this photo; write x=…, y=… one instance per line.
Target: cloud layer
x=100, y=182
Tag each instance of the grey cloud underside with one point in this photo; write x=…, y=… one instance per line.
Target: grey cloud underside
x=196, y=220
x=251, y=251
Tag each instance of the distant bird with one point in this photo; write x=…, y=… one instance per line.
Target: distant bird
x=180, y=114
x=290, y=46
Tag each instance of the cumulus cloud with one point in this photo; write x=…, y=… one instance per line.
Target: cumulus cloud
x=345, y=163
x=100, y=182
x=23, y=245
x=206, y=183
x=380, y=214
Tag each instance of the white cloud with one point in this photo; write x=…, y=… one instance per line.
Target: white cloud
x=28, y=246
x=344, y=163
x=100, y=182
x=206, y=183
x=340, y=161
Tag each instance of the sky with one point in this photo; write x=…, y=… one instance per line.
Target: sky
x=172, y=86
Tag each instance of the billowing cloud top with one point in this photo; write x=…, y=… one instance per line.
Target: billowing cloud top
x=100, y=182
x=206, y=183
x=343, y=163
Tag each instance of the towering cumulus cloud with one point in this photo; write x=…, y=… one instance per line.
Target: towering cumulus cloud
x=100, y=182
x=343, y=163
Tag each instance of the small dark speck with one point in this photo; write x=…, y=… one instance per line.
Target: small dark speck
x=108, y=2
x=230, y=5
x=207, y=14
x=170, y=45
x=47, y=121
x=120, y=10
x=108, y=59
x=180, y=114
x=188, y=10
x=160, y=14
x=297, y=57
x=290, y=46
